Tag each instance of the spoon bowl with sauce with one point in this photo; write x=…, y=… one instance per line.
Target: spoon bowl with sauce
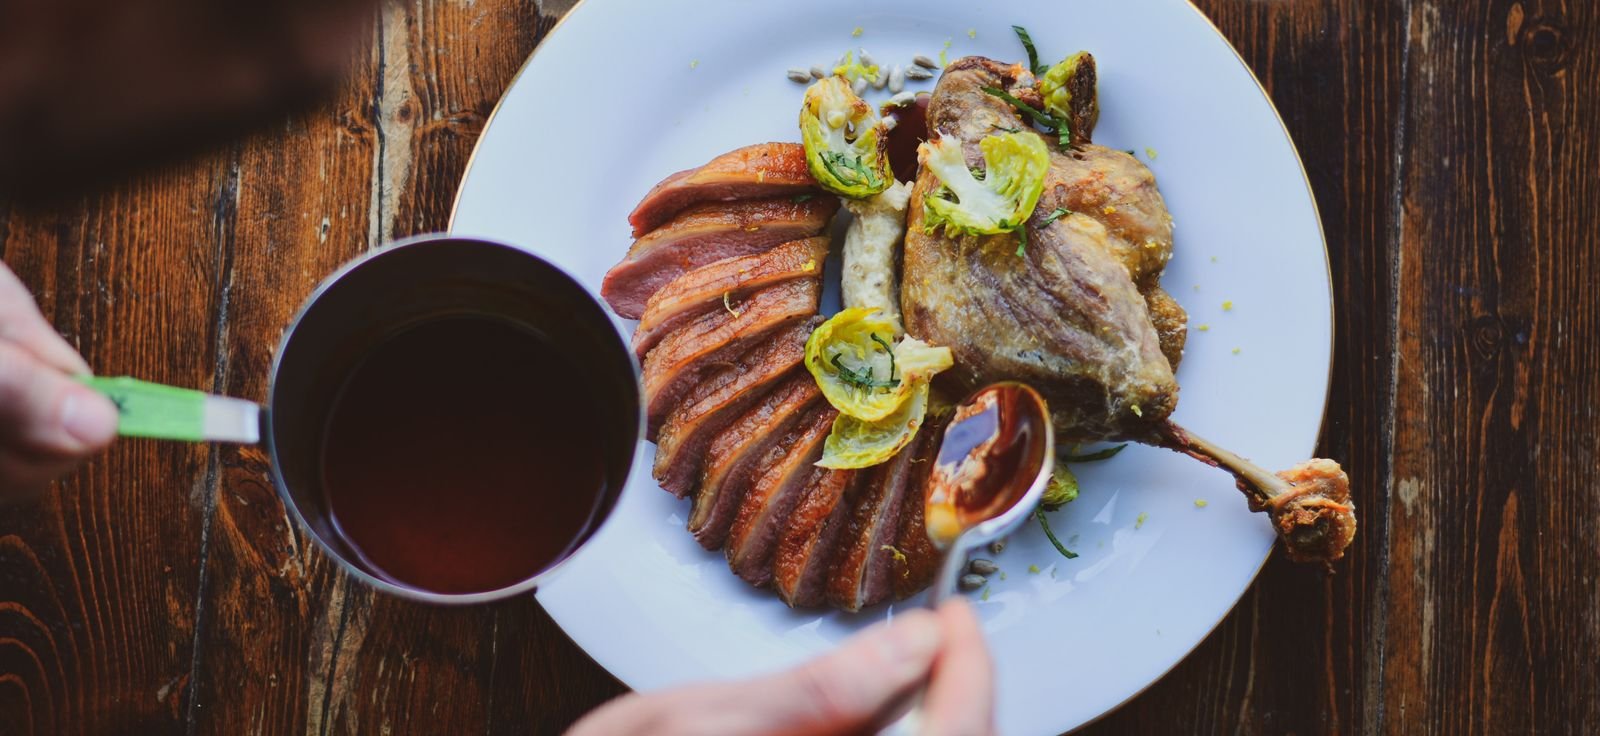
x=993, y=465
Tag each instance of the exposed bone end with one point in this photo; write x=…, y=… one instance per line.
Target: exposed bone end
x=1315, y=516
x=1309, y=504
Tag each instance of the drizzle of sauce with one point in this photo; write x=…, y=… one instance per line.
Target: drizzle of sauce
x=991, y=452
x=910, y=130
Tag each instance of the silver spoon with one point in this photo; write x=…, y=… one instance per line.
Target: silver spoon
x=993, y=465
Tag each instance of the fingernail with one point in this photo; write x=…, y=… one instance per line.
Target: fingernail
x=914, y=640
x=89, y=417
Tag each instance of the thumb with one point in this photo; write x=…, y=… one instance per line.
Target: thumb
x=47, y=420
x=858, y=684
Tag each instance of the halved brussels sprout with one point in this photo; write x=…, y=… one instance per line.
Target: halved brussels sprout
x=854, y=443
x=846, y=142
x=1069, y=93
x=858, y=369
x=1013, y=177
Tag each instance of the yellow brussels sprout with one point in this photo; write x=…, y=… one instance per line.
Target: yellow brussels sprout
x=860, y=372
x=854, y=443
x=1015, y=165
x=846, y=143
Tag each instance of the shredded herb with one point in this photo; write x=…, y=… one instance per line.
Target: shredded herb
x=1033, y=569
x=1004, y=129
x=803, y=197
x=1139, y=522
x=1106, y=454
x=1061, y=128
x=1200, y=503
x=1022, y=240
x=849, y=169
x=899, y=556
x=1033, y=53
x=1054, y=215
x=861, y=377
x=857, y=32
x=887, y=348
x=1045, y=524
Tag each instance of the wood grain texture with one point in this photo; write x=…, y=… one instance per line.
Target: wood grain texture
x=164, y=589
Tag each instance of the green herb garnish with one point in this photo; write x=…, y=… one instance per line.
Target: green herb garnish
x=1045, y=524
x=1061, y=128
x=1106, y=454
x=862, y=377
x=1022, y=240
x=1033, y=53
x=887, y=348
x=850, y=169
x=803, y=197
x=1054, y=215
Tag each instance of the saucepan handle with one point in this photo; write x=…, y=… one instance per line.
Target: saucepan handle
x=170, y=413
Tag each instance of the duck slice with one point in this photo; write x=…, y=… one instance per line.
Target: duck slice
x=731, y=460
x=691, y=352
x=806, y=542
x=712, y=403
x=710, y=287
x=859, y=576
x=760, y=170
x=916, y=563
x=765, y=507
x=705, y=234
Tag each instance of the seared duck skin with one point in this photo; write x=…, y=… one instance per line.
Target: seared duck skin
x=1079, y=313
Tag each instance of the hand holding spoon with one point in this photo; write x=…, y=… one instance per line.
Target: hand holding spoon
x=993, y=465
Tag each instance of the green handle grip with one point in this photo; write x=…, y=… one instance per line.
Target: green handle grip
x=170, y=413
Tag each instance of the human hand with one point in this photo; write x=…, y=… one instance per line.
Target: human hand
x=854, y=689
x=48, y=421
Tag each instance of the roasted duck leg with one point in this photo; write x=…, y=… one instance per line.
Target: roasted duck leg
x=1078, y=311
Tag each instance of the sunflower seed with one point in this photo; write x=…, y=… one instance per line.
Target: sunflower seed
x=972, y=582
x=866, y=58
x=859, y=86
x=818, y=72
x=924, y=62
x=998, y=546
x=880, y=80
x=918, y=73
x=889, y=121
x=903, y=99
x=897, y=79
x=981, y=566
x=799, y=75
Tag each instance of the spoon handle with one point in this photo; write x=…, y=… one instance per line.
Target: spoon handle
x=170, y=413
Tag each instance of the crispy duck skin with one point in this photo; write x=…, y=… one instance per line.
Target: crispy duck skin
x=766, y=506
x=859, y=575
x=760, y=170
x=731, y=459
x=713, y=286
x=1080, y=316
x=717, y=400
x=705, y=234
x=913, y=569
x=691, y=352
x=1067, y=317
x=806, y=541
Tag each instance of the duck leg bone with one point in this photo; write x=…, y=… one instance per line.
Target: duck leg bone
x=1309, y=504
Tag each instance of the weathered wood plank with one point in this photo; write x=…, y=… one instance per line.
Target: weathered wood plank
x=1302, y=652
x=98, y=578
x=1493, y=622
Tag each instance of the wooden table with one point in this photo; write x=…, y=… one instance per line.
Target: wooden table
x=1453, y=147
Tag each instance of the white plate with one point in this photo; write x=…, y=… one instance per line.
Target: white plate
x=624, y=93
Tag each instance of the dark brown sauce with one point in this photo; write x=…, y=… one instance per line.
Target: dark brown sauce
x=462, y=456
x=988, y=457
x=910, y=130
